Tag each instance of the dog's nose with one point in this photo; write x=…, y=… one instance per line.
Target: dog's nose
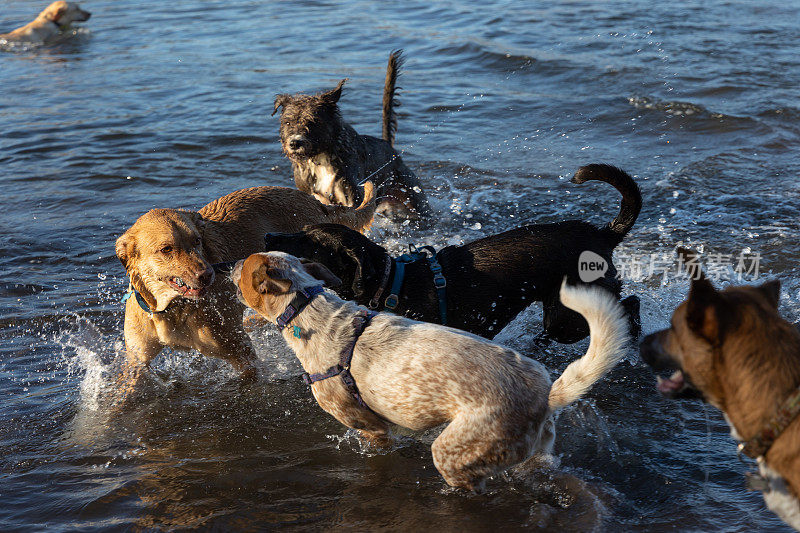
x=206, y=277
x=296, y=142
x=87, y=15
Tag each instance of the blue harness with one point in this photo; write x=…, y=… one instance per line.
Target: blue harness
x=218, y=267
x=416, y=254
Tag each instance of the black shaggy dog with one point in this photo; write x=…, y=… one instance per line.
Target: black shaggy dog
x=489, y=281
x=330, y=158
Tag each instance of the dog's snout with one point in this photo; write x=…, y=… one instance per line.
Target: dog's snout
x=86, y=15
x=298, y=142
x=652, y=353
x=206, y=276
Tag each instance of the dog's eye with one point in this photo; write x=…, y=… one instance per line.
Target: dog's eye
x=197, y=241
x=166, y=249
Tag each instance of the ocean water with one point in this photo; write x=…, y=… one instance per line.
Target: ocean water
x=154, y=104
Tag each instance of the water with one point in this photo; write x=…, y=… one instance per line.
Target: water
x=167, y=105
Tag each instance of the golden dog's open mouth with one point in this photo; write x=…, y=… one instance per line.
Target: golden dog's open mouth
x=186, y=291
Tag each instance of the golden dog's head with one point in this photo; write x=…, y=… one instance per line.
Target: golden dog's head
x=267, y=281
x=164, y=256
x=64, y=13
x=716, y=339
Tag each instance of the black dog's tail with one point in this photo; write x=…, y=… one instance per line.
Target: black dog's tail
x=620, y=180
x=390, y=102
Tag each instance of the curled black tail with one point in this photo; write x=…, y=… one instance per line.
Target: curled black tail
x=390, y=102
x=620, y=180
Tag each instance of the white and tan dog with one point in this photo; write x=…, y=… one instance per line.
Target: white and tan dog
x=56, y=18
x=498, y=405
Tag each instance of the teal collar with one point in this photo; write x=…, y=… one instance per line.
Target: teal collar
x=140, y=300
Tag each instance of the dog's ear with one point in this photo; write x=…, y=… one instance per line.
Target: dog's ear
x=57, y=11
x=332, y=96
x=707, y=313
x=276, y=282
x=771, y=291
x=125, y=249
x=363, y=269
x=688, y=259
x=321, y=272
x=280, y=101
x=199, y=223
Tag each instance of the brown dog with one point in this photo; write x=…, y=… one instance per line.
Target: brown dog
x=169, y=255
x=734, y=350
x=49, y=24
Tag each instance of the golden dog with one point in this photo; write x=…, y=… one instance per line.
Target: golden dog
x=49, y=24
x=734, y=350
x=176, y=300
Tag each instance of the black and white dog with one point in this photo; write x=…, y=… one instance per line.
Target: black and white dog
x=488, y=281
x=330, y=159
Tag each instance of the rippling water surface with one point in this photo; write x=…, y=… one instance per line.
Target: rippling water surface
x=167, y=104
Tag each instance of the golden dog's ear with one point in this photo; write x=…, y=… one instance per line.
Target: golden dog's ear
x=56, y=11
x=280, y=101
x=125, y=250
x=198, y=221
x=332, y=96
x=771, y=291
x=321, y=272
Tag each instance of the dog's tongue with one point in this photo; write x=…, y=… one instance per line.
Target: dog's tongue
x=674, y=383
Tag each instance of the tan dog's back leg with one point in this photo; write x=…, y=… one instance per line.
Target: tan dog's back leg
x=475, y=446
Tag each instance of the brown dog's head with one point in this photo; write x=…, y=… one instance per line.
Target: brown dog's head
x=64, y=13
x=164, y=256
x=716, y=339
x=267, y=281
x=310, y=124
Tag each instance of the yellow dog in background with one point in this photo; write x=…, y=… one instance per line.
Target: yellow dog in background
x=49, y=24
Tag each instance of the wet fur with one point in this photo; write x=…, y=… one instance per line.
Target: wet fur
x=497, y=405
x=164, y=243
x=491, y=280
x=735, y=351
x=49, y=24
x=329, y=158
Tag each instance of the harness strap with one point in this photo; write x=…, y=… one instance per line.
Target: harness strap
x=376, y=300
x=397, y=283
x=361, y=320
x=439, y=281
x=301, y=299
